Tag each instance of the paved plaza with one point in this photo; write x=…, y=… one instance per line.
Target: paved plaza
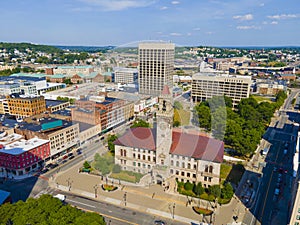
x=151, y=199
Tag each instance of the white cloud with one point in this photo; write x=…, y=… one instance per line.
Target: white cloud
x=209, y=32
x=164, y=8
x=175, y=34
x=274, y=22
x=118, y=5
x=244, y=17
x=262, y=4
x=247, y=27
x=284, y=16
x=175, y=2
x=265, y=23
x=196, y=28
x=189, y=34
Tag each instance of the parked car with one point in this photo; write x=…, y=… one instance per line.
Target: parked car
x=159, y=222
x=71, y=157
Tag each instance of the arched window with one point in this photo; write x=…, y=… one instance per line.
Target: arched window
x=206, y=169
x=183, y=165
x=211, y=169
x=124, y=153
x=121, y=152
x=189, y=166
x=177, y=163
x=172, y=163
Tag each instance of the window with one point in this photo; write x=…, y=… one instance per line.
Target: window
x=171, y=171
x=134, y=163
x=189, y=166
x=205, y=178
x=177, y=172
x=188, y=175
x=172, y=163
x=194, y=175
x=183, y=165
x=211, y=169
x=182, y=173
x=177, y=164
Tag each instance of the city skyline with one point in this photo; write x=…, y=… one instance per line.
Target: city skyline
x=127, y=22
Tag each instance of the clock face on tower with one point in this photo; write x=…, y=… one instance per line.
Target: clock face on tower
x=163, y=125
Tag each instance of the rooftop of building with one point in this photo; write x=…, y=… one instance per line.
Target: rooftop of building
x=74, y=67
x=214, y=75
x=3, y=196
x=84, y=126
x=33, y=76
x=17, y=96
x=44, y=125
x=125, y=69
x=50, y=103
x=64, y=112
x=191, y=144
x=21, y=146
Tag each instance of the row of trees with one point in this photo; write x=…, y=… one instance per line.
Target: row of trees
x=240, y=129
x=66, y=99
x=197, y=190
x=46, y=210
x=19, y=70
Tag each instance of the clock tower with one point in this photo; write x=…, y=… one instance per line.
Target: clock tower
x=164, y=124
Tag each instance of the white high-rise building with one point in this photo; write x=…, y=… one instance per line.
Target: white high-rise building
x=156, y=65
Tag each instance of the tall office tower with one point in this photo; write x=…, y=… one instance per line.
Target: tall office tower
x=156, y=65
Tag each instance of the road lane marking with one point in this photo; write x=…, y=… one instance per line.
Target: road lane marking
x=108, y=216
x=81, y=203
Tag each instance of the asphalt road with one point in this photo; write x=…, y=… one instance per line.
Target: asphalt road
x=270, y=208
x=117, y=215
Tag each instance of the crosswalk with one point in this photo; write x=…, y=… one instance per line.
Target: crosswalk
x=42, y=192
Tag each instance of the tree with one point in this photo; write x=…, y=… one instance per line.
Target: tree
x=188, y=186
x=176, y=123
x=116, y=168
x=215, y=190
x=46, y=210
x=86, y=165
x=198, y=189
x=227, y=191
x=140, y=123
x=203, y=116
x=110, y=142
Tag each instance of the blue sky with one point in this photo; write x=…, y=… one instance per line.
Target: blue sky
x=126, y=22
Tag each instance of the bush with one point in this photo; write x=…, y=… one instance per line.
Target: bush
x=198, y=189
x=86, y=165
x=188, y=186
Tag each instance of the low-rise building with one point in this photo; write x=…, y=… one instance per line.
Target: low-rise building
x=25, y=105
x=20, y=156
x=56, y=105
x=206, y=86
x=125, y=75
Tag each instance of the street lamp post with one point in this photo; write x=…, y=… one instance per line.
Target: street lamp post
x=69, y=182
x=173, y=210
x=95, y=188
x=125, y=198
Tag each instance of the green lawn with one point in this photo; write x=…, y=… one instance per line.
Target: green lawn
x=231, y=172
x=259, y=99
x=183, y=116
x=127, y=176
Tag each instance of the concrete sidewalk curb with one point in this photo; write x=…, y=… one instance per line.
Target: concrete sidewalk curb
x=120, y=203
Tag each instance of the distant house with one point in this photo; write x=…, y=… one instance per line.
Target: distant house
x=287, y=76
x=77, y=78
x=56, y=78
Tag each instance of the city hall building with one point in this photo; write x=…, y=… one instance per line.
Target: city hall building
x=167, y=153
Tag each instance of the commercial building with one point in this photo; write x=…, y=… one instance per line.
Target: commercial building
x=169, y=154
x=63, y=135
x=69, y=70
x=156, y=66
x=19, y=156
x=109, y=112
x=125, y=75
x=206, y=86
x=269, y=87
x=25, y=105
x=56, y=105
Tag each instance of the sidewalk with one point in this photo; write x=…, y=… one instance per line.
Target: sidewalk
x=151, y=199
